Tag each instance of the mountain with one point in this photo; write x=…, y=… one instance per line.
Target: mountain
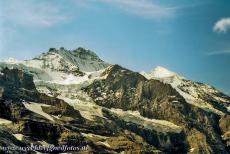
x=72, y=97
x=198, y=94
x=59, y=64
x=66, y=60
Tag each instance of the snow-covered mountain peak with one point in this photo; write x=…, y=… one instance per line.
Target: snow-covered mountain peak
x=79, y=59
x=60, y=65
x=160, y=72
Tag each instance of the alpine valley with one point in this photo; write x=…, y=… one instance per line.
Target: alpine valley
x=73, y=98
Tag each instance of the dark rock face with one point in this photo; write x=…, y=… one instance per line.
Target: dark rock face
x=86, y=54
x=17, y=85
x=173, y=142
x=127, y=90
x=12, y=110
x=225, y=129
x=8, y=140
x=42, y=131
x=17, y=88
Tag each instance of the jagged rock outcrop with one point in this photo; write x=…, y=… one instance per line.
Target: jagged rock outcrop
x=7, y=140
x=18, y=88
x=225, y=128
x=172, y=141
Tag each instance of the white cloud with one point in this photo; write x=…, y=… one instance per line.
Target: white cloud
x=31, y=13
x=222, y=26
x=223, y=52
x=143, y=8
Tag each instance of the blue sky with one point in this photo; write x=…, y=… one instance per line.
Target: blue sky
x=191, y=37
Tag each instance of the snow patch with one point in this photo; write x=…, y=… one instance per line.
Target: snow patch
x=5, y=121
x=36, y=108
x=228, y=108
x=71, y=79
x=87, y=108
x=19, y=136
x=192, y=149
x=135, y=117
x=90, y=135
x=105, y=143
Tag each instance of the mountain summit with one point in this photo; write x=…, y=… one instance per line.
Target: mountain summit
x=60, y=65
x=159, y=72
x=79, y=59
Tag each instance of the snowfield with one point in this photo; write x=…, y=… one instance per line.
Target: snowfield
x=87, y=108
x=135, y=117
x=5, y=121
x=36, y=108
x=19, y=136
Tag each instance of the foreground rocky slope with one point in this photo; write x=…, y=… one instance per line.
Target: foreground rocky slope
x=74, y=98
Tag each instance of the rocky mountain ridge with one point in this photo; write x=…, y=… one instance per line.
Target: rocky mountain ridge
x=199, y=94
x=74, y=98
